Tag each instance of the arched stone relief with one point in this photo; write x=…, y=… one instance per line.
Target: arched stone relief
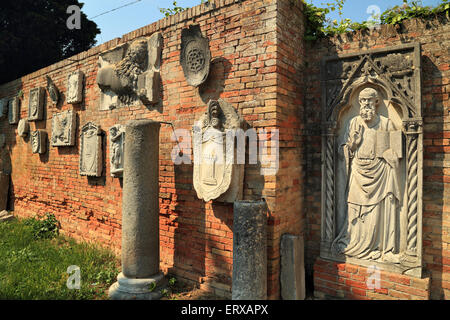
x=372, y=159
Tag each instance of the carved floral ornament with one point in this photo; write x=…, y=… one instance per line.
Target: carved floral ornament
x=372, y=152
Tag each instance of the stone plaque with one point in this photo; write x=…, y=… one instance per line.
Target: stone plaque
x=14, y=110
x=75, y=87
x=91, y=150
x=3, y=108
x=195, y=56
x=52, y=90
x=217, y=176
x=36, y=104
x=38, y=141
x=23, y=128
x=116, y=152
x=130, y=73
x=63, y=129
x=372, y=159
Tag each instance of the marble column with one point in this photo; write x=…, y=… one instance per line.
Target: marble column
x=140, y=278
x=249, y=251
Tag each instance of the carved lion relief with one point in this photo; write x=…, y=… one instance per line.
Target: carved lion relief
x=372, y=152
x=130, y=73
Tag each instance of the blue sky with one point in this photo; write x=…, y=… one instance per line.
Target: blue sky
x=141, y=13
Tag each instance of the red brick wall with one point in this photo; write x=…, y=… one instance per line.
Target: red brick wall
x=195, y=237
x=434, y=38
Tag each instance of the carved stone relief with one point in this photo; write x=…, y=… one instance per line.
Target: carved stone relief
x=75, y=87
x=63, y=129
x=116, y=146
x=14, y=110
x=52, y=90
x=36, y=104
x=3, y=108
x=130, y=73
x=91, y=150
x=195, y=56
x=23, y=128
x=217, y=176
x=39, y=141
x=372, y=149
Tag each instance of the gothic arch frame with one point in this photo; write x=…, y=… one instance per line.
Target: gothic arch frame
x=397, y=71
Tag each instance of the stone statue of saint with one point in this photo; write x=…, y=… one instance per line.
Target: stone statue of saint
x=371, y=149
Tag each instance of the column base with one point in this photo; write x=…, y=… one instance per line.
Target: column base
x=137, y=289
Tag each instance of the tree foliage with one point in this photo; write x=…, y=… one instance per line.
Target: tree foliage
x=34, y=34
x=318, y=25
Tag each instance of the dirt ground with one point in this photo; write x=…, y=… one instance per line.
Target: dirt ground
x=181, y=291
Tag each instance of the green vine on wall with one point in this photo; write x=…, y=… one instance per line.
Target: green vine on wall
x=318, y=25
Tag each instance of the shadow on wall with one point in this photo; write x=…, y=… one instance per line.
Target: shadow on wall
x=433, y=174
x=214, y=85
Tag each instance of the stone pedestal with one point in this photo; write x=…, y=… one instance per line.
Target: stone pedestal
x=249, y=251
x=292, y=276
x=140, y=215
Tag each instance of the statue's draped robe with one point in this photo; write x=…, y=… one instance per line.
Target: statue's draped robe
x=373, y=195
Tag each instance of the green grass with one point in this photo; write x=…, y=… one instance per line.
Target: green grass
x=34, y=266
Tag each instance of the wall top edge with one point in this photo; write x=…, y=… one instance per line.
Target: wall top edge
x=184, y=16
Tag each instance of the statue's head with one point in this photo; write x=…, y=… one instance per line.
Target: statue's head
x=368, y=101
x=214, y=114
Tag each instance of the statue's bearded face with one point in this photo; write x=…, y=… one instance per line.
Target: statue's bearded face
x=368, y=104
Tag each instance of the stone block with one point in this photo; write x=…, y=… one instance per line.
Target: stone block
x=292, y=276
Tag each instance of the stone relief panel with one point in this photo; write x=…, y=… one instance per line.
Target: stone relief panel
x=23, y=128
x=130, y=73
x=371, y=185
x=116, y=149
x=3, y=108
x=36, y=104
x=38, y=141
x=75, y=87
x=14, y=110
x=217, y=176
x=52, y=90
x=63, y=129
x=91, y=150
x=195, y=56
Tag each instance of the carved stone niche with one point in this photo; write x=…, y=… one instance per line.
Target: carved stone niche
x=36, y=104
x=23, y=128
x=130, y=73
x=217, y=175
x=39, y=141
x=372, y=159
x=75, y=87
x=195, y=56
x=91, y=150
x=116, y=149
x=3, y=108
x=14, y=110
x=63, y=129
